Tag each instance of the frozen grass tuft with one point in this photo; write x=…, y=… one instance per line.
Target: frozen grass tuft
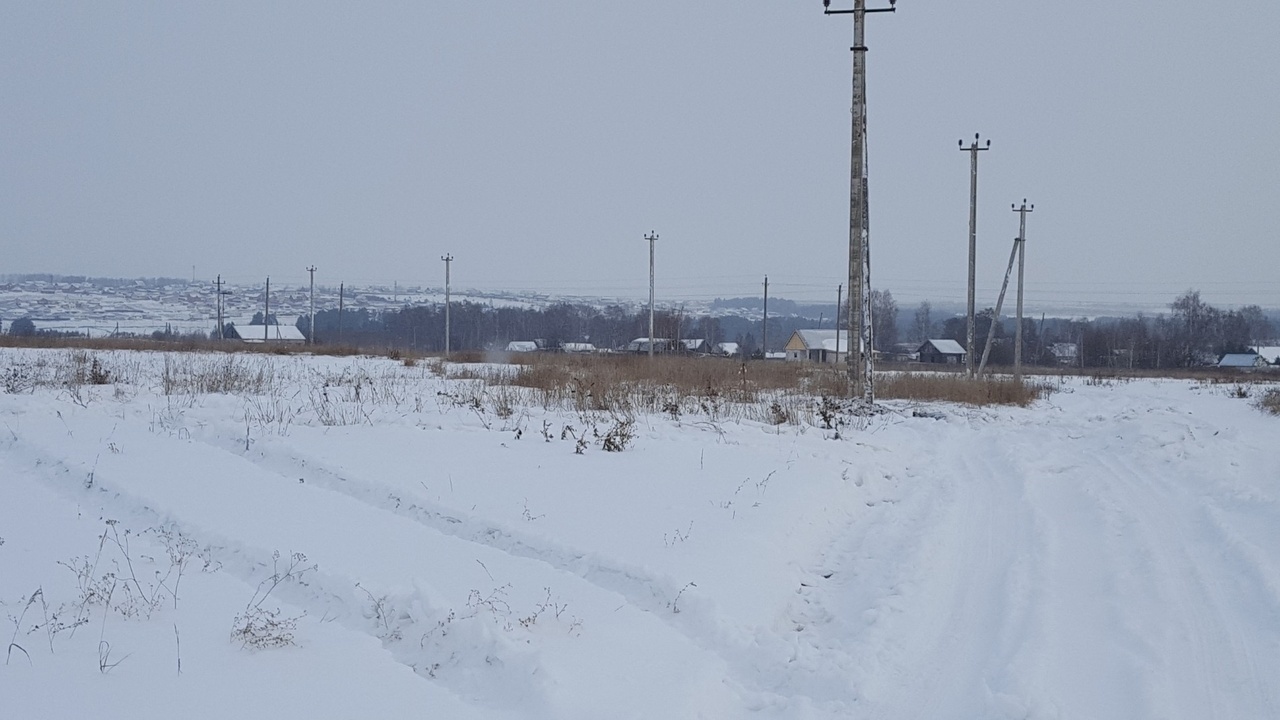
x=1269, y=401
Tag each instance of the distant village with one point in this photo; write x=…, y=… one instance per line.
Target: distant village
x=1193, y=334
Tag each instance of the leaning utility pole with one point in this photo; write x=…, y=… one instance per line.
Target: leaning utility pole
x=651, y=237
x=973, y=151
x=448, y=259
x=311, y=337
x=859, y=362
x=991, y=331
x=1022, y=249
x=764, y=326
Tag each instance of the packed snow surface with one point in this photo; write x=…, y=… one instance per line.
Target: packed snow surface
x=406, y=545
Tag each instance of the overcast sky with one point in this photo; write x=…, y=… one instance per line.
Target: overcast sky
x=539, y=141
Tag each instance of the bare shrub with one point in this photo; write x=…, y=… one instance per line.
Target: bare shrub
x=619, y=436
x=262, y=628
x=504, y=401
x=228, y=373
x=1269, y=401
x=122, y=589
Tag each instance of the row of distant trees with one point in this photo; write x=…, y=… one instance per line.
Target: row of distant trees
x=477, y=326
x=1193, y=332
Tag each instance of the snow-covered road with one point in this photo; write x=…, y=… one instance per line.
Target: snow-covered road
x=1115, y=558
x=1113, y=552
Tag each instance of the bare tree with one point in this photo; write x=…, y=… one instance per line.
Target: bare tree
x=1260, y=328
x=923, y=324
x=1193, y=327
x=884, y=319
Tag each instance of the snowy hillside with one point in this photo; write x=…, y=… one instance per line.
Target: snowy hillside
x=270, y=537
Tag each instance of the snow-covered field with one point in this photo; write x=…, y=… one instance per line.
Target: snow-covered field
x=398, y=548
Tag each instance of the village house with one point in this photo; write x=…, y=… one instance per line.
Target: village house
x=577, y=347
x=822, y=346
x=273, y=334
x=660, y=345
x=727, y=349
x=1242, y=361
x=1270, y=354
x=941, y=352
x=1065, y=353
x=694, y=346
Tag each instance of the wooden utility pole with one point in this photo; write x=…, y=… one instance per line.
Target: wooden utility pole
x=973, y=151
x=651, y=237
x=860, y=360
x=1022, y=250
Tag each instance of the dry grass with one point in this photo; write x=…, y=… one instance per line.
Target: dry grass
x=951, y=387
x=675, y=384
x=188, y=344
x=608, y=379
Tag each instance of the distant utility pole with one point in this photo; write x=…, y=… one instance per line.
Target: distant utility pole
x=311, y=337
x=222, y=333
x=839, y=307
x=341, y=289
x=448, y=260
x=764, y=329
x=973, y=151
x=266, y=310
x=860, y=361
x=651, y=237
x=1022, y=249
x=218, y=284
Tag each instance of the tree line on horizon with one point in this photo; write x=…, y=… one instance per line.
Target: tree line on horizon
x=1192, y=334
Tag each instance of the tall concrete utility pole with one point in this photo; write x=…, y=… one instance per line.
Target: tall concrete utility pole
x=764, y=326
x=341, y=289
x=448, y=260
x=973, y=151
x=311, y=336
x=859, y=362
x=1022, y=249
x=651, y=237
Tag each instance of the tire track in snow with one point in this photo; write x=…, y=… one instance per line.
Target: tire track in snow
x=924, y=602
x=321, y=593
x=697, y=619
x=1223, y=655
x=1164, y=612
x=1082, y=657
x=957, y=633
